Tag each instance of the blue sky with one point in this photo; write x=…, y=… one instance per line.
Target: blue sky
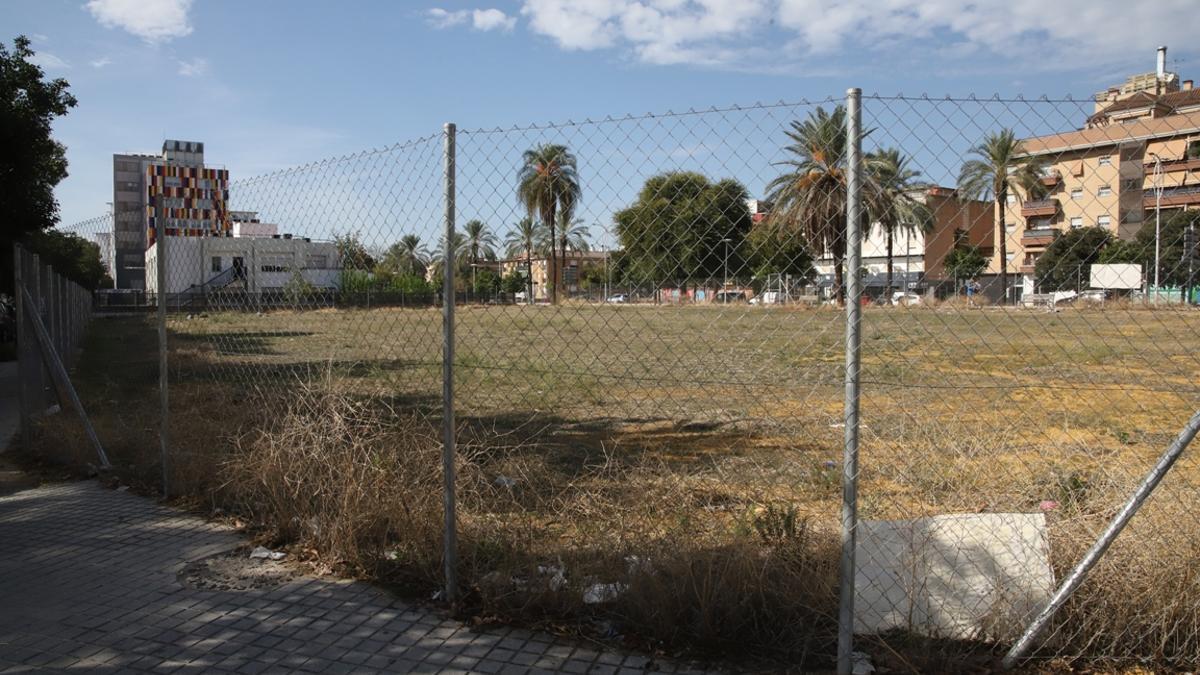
x=275, y=83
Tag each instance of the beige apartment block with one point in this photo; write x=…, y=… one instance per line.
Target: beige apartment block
x=1138, y=154
x=576, y=261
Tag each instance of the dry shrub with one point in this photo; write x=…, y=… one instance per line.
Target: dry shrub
x=344, y=479
x=1143, y=598
x=361, y=485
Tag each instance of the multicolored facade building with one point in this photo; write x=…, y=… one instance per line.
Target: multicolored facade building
x=196, y=196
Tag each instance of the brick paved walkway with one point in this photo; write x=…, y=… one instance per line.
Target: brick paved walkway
x=88, y=582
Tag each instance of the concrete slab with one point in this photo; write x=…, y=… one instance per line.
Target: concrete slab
x=965, y=576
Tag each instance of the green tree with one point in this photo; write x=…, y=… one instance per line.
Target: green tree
x=547, y=186
x=526, y=238
x=774, y=249
x=514, y=282
x=965, y=262
x=809, y=198
x=890, y=202
x=998, y=170
x=1066, y=263
x=352, y=252
x=407, y=256
x=1173, y=267
x=71, y=256
x=676, y=230
x=31, y=161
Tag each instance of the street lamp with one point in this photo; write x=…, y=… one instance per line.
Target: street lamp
x=725, y=287
x=1158, y=189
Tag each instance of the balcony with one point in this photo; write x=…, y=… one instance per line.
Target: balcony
x=1178, y=164
x=1183, y=195
x=1050, y=177
x=1028, y=268
x=1039, y=208
x=1038, y=237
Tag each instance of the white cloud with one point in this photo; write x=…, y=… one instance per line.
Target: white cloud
x=100, y=62
x=193, y=68
x=492, y=19
x=738, y=32
x=151, y=20
x=480, y=19
x=48, y=61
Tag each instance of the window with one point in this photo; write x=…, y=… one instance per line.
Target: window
x=1077, y=194
x=1104, y=221
x=1010, y=199
x=1076, y=221
x=1104, y=191
x=1010, y=257
x=216, y=263
x=1105, y=161
x=1010, y=226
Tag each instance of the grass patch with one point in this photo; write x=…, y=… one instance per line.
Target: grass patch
x=701, y=440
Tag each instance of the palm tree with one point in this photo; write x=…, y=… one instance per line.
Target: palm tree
x=573, y=235
x=478, y=241
x=525, y=238
x=460, y=253
x=547, y=185
x=997, y=171
x=809, y=199
x=890, y=202
x=406, y=254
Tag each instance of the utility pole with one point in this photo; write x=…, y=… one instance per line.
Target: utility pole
x=1158, y=189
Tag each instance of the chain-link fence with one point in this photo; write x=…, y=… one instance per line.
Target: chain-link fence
x=667, y=426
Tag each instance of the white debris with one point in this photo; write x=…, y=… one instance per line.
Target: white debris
x=636, y=564
x=264, y=553
x=860, y=664
x=600, y=593
x=557, y=574
x=505, y=481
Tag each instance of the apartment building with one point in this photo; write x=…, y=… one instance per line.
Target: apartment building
x=918, y=257
x=572, y=268
x=196, y=198
x=1137, y=156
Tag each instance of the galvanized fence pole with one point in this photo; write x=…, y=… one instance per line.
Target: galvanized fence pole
x=38, y=302
x=160, y=269
x=450, y=542
x=25, y=364
x=853, y=324
x=1089, y=560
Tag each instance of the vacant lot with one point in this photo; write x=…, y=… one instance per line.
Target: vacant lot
x=695, y=432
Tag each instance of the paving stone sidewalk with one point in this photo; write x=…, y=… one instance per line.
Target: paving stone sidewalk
x=89, y=583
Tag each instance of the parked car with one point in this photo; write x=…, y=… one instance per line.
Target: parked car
x=902, y=298
x=726, y=297
x=619, y=298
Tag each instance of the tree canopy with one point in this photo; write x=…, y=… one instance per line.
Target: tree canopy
x=675, y=231
x=32, y=163
x=1065, y=265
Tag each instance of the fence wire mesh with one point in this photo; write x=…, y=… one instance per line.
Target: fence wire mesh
x=648, y=370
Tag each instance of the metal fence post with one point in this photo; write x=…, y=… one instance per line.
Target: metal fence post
x=450, y=542
x=1089, y=560
x=853, y=325
x=160, y=269
x=25, y=366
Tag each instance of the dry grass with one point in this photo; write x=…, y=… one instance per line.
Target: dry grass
x=679, y=435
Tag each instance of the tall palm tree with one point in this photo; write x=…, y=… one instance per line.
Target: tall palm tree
x=547, y=185
x=809, y=198
x=406, y=254
x=478, y=241
x=526, y=238
x=572, y=235
x=438, y=259
x=997, y=171
x=890, y=202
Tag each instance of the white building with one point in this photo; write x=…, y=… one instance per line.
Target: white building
x=251, y=264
